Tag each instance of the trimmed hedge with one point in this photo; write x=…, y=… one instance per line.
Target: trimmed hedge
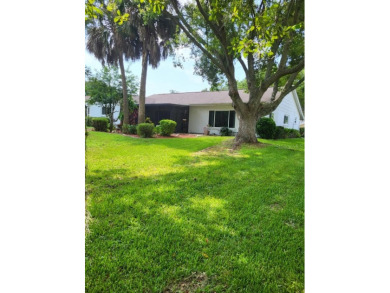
x=265, y=128
x=224, y=131
x=292, y=133
x=167, y=127
x=282, y=133
x=100, y=123
x=88, y=121
x=129, y=129
x=157, y=129
x=279, y=132
x=145, y=129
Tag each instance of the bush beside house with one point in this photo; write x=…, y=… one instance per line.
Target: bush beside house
x=167, y=127
x=282, y=133
x=225, y=131
x=145, y=129
x=88, y=121
x=129, y=129
x=265, y=128
x=100, y=123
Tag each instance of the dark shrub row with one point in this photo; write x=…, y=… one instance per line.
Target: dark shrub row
x=147, y=129
x=129, y=129
x=88, y=121
x=266, y=128
x=282, y=133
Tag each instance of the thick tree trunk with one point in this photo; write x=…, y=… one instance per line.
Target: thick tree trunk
x=246, y=129
x=124, y=89
x=141, y=106
x=247, y=116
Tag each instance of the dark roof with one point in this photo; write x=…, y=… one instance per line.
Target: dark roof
x=199, y=98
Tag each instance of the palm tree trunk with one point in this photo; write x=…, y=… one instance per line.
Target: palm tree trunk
x=141, y=108
x=124, y=89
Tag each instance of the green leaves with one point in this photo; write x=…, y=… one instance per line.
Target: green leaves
x=111, y=6
x=92, y=11
x=235, y=14
x=121, y=17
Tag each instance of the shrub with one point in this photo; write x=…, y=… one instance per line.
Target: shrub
x=145, y=129
x=292, y=133
x=265, y=128
x=129, y=129
x=167, y=127
x=148, y=120
x=224, y=131
x=100, y=124
x=279, y=132
x=88, y=121
x=302, y=131
x=157, y=129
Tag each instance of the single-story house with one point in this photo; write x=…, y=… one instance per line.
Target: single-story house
x=193, y=111
x=99, y=111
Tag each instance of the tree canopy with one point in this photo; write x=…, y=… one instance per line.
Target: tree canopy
x=105, y=89
x=265, y=38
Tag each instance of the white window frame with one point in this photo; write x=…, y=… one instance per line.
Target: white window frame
x=228, y=118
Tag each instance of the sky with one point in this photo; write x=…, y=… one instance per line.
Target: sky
x=166, y=77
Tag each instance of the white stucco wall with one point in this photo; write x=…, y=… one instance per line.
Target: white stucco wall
x=289, y=108
x=96, y=111
x=199, y=118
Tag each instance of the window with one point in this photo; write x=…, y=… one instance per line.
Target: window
x=211, y=118
x=106, y=110
x=222, y=119
x=272, y=116
x=232, y=119
x=285, y=120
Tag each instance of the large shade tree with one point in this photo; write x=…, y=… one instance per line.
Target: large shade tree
x=265, y=38
x=111, y=38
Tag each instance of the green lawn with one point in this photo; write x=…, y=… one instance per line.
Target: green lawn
x=177, y=215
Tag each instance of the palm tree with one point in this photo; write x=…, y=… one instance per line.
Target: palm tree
x=111, y=43
x=154, y=36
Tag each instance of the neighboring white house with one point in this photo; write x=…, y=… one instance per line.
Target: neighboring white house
x=99, y=111
x=195, y=110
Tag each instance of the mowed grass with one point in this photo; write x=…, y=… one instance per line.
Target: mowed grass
x=177, y=215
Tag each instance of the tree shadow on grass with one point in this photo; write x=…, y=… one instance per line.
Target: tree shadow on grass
x=187, y=144
x=216, y=216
